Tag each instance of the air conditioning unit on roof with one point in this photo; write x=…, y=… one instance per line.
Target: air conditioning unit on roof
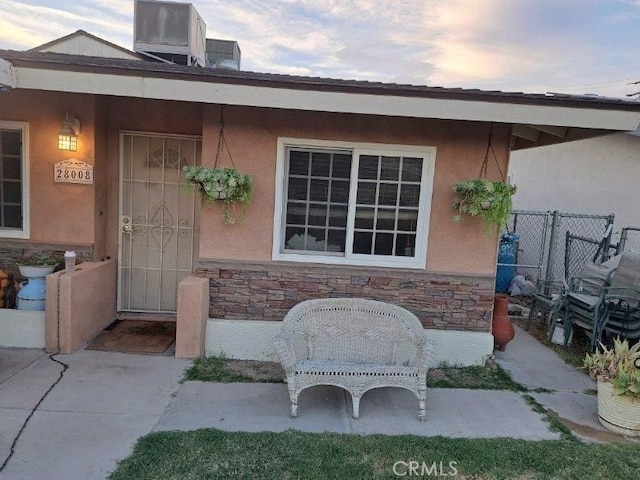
x=222, y=52
x=170, y=31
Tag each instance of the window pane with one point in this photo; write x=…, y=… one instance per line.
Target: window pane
x=409, y=195
x=405, y=245
x=384, y=244
x=411, y=169
x=317, y=214
x=296, y=213
x=320, y=164
x=298, y=163
x=10, y=142
x=390, y=168
x=336, y=240
x=294, y=238
x=11, y=168
x=12, y=217
x=297, y=189
x=362, y=242
x=319, y=190
x=388, y=194
x=11, y=192
x=338, y=216
x=386, y=219
x=368, y=169
x=408, y=220
x=316, y=239
x=364, y=218
x=316, y=200
x=366, y=193
x=341, y=166
x=339, y=191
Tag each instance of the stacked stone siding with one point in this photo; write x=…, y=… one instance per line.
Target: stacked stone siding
x=12, y=250
x=266, y=291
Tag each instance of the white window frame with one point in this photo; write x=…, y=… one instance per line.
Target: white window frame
x=356, y=148
x=24, y=232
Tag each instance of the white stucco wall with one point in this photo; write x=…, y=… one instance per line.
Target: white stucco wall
x=253, y=340
x=596, y=176
x=21, y=328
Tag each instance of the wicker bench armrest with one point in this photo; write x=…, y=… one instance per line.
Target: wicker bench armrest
x=425, y=354
x=286, y=354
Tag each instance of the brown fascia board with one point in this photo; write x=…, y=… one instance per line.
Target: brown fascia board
x=86, y=64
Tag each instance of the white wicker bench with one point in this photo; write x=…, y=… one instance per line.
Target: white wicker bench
x=355, y=344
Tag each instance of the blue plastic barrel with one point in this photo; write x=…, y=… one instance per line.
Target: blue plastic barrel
x=507, y=254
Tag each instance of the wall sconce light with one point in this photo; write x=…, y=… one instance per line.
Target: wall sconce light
x=68, y=135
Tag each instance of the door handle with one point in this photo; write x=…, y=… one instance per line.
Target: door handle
x=127, y=228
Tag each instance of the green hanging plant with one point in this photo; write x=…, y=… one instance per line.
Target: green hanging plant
x=226, y=185
x=223, y=184
x=487, y=199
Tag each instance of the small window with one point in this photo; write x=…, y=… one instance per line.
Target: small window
x=13, y=181
x=354, y=205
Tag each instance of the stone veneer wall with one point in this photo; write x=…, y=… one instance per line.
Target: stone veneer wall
x=12, y=250
x=266, y=291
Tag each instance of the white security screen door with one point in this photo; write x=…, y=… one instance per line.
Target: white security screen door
x=158, y=223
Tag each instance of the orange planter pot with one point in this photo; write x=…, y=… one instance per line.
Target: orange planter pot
x=501, y=326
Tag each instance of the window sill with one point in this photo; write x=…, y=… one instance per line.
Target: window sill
x=378, y=262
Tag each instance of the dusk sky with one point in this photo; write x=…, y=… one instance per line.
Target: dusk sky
x=571, y=46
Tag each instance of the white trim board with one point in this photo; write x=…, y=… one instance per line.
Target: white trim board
x=313, y=100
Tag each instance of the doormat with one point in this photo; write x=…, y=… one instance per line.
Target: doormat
x=135, y=336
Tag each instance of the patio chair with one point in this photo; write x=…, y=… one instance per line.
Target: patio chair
x=591, y=301
x=545, y=299
x=621, y=314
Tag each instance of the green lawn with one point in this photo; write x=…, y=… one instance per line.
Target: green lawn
x=214, y=454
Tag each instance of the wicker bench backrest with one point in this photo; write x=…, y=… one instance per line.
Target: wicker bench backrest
x=352, y=330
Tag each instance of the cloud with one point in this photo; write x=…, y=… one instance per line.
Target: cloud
x=530, y=45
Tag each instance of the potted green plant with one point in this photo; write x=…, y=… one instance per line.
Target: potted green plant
x=37, y=265
x=487, y=199
x=617, y=373
x=220, y=184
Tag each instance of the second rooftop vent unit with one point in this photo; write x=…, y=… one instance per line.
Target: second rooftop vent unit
x=223, y=54
x=169, y=31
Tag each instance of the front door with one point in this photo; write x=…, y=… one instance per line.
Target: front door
x=158, y=223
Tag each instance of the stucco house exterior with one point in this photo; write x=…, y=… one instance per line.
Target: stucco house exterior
x=352, y=195
x=594, y=176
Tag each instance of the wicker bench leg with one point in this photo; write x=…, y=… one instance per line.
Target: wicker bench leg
x=356, y=406
x=293, y=396
x=422, y=400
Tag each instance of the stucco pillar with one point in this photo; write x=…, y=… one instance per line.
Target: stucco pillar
x=192, y=315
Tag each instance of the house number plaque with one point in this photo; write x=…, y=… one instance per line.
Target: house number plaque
x=73, y=171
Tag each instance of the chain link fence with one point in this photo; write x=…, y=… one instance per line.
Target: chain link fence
x=629, y=240
x=543, y=242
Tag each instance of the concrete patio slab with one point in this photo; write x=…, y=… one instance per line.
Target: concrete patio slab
x=118, y=383
x=66, y=445
x=11, y=420
x=535, y=366
x=90, y=420
x=25, y=388
x=12, y=360
x=454, y=413
x=254, y=407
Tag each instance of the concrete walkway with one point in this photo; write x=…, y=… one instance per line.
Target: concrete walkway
x=105, y=401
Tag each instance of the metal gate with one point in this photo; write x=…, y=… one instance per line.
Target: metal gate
x=158, y=223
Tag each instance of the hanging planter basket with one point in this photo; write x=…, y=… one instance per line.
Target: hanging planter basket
x=487, y=199
x=223, y=184
x=480, y=197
